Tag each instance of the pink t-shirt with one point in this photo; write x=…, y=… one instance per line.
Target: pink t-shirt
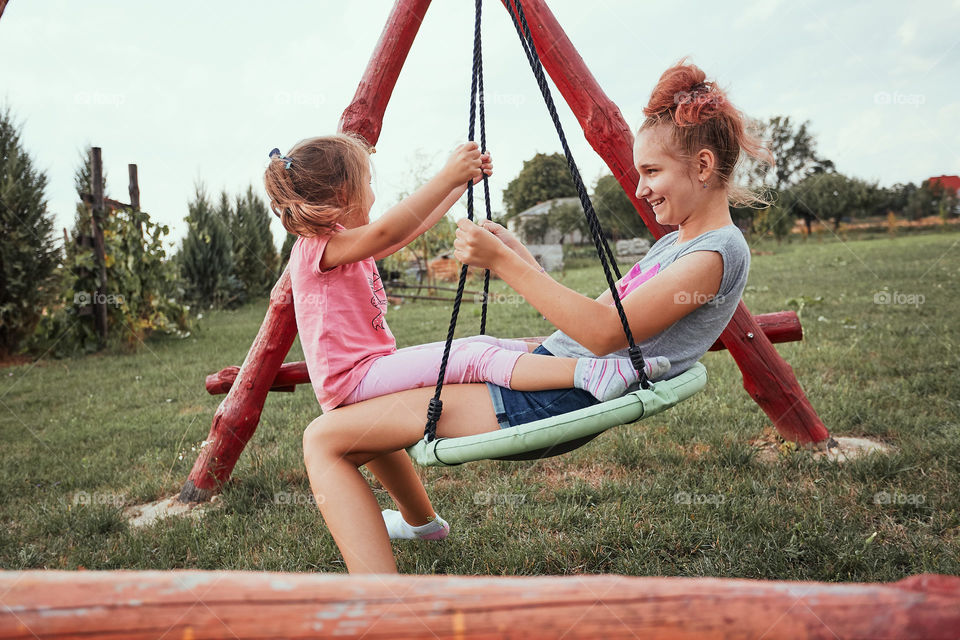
x=634, y=278
x=340, y=317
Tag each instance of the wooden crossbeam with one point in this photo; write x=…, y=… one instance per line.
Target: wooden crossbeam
x=246, y=604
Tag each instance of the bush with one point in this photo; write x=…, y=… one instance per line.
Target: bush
x=143, y=295
x=255, y=258
x=28, y=255
x=206, y=256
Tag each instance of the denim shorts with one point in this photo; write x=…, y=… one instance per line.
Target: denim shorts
x=519, y=407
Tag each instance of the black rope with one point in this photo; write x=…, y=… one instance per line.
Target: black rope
x=478, y=73
x=515, y=9
x=435, y=407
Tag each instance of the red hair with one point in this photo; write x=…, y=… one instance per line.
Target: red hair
x=698, y=116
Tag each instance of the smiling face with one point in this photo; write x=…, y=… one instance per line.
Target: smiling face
x=667, y=182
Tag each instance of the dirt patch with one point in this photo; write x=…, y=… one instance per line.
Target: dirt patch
x=559, y=475
x=770, y=447
x=143, y=515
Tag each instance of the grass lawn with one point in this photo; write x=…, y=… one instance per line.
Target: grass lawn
x=82, y=438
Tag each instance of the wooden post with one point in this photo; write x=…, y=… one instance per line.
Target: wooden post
x=766, y=376
x=134, y=188
x=237, y=416
x=248, y=604
x=97, y=220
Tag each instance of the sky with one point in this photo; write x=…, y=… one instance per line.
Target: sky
x=198, y=93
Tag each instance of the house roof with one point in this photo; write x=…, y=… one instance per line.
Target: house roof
x=542, y=208
x=950, y=182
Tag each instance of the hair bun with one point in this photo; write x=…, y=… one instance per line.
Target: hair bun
x=684, y=94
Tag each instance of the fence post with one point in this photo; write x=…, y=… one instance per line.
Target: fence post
x=97, y=218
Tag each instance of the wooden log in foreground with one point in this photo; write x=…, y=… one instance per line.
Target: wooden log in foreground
x=782, y=326
x=238, y=604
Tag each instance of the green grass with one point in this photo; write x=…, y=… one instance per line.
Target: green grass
x=125, y=429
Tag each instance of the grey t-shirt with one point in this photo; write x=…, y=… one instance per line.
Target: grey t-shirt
x=685, y=341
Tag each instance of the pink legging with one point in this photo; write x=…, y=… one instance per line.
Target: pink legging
x=474, y=359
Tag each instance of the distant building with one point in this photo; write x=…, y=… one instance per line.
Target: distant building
x=543, y=240
x=948, y=182
x=532, y=228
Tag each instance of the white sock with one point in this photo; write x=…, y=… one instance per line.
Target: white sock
x=609, y=378
x=399, y=529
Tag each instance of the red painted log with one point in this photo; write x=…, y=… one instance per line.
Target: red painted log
x=238, y=415
x=241, y=604
x=779, y=327
x=768, y=379
x=364, y=115
x=289, y=375
x=783, y=326
x=236, y=419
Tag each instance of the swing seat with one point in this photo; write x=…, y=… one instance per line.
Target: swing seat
x=560, y=434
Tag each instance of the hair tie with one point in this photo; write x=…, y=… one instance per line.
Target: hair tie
x=275, y=153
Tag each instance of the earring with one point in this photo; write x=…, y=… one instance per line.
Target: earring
x=704, y=184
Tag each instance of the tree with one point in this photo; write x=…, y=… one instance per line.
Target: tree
x=617, y=215
x=568, y=219
x=796, y=158
x=929, y=199
x=255, y=258
x=543, y=177
x=829, y=196
x=28, y=254
x=206, y=256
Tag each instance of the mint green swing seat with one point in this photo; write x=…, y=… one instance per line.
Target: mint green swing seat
x=562, y=433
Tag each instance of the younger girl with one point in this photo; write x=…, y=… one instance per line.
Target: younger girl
x=321, y=191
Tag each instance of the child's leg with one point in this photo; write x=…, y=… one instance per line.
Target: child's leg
x=503, y=343
x=396, y=473
x=604, y=378
x=416, y=517
x=477, y=361
x=469, y=361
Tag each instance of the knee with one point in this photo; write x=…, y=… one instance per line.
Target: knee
x=316, y=440
x=322, y=444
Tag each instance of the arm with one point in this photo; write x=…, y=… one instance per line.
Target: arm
x=428, y=222
x=401, y=220
x=651, y=308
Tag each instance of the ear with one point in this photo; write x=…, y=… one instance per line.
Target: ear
x=706, y=164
